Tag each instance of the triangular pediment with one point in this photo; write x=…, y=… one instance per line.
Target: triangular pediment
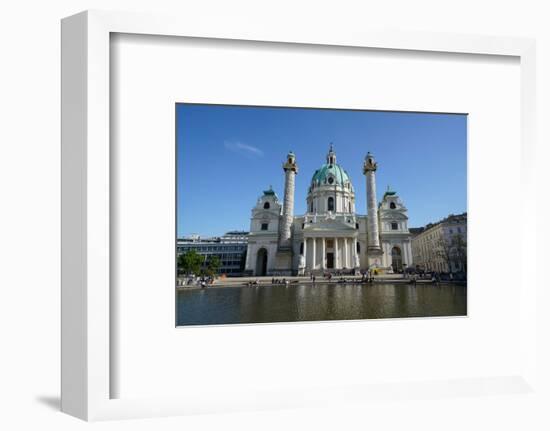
x=329, y=225
x=393, y=215
x=262, y=213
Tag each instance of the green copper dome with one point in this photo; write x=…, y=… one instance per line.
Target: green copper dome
x=270, y=192
x=388, y=192
x=330, y=174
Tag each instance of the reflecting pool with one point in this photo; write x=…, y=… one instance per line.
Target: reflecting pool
x=322, y=301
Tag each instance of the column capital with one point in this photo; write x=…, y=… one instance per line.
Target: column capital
x=370, y=164
x=290, y=163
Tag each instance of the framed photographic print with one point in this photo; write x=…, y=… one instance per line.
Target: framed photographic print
x=252, y=199
x=308, y=251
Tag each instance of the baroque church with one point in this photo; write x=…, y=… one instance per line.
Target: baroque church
x=330, y=236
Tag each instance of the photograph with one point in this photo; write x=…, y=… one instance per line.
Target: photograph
x=297, y=214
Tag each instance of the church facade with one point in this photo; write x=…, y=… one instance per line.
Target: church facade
x=331, y=235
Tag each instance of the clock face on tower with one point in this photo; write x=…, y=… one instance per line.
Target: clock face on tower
x=330, y=180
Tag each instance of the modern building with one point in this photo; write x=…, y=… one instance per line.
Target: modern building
x=331, y=235
x=441, y=246
x=229, y=248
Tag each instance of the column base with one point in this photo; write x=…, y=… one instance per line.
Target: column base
x=283, y=263
x=374, y=256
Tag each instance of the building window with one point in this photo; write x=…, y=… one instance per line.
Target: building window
x=266, y=206
x=302, y=248
x=349, y=206
x=392, y=205
x=459, y=230
x=330, y=180
x=264, y=226
x=451, y=231
x=358, y=248
x=303, y=225
x=357, y=227
x=394, y=225
x=330, y=204
x=311, y=207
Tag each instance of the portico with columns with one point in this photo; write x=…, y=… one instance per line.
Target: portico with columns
x=326, y=253
x=330, y=236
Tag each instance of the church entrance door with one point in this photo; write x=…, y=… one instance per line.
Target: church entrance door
x=396, y=260
x=261, y=262
x=330, y=260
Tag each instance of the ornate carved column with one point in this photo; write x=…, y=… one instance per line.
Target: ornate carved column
x=374, y=250
x=291, y=169
x=305, y=249
x=313, y=253
x=336, y=254
x=346, y=252
x=323, y=253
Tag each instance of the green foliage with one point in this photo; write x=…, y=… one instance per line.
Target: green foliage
x=453, y=251
x=460, y=252
x=190, y=262
x=213, y=266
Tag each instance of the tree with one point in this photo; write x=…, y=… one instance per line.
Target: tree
x=213, y=266
x=190, y=262
x=459, y=252
x=454, y=251
x=443, y=250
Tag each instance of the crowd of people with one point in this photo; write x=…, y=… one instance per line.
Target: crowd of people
x=434, y=277
x=367, y=276
x=279, y=281
x=202, y=281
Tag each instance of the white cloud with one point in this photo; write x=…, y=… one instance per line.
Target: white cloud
x=247, y=150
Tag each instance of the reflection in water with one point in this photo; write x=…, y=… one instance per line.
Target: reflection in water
x=305, y=302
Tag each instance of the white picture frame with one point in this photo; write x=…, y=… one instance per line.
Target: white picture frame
x=86, y=311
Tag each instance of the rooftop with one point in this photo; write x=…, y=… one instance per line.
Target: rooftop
x=388, y=192
x=330, y=170
x=450, y=219
x=269, y=192
x=330, y=173
x=231, y=236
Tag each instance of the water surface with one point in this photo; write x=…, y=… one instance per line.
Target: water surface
x=306, y=302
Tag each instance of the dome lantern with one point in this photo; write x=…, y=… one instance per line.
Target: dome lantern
x=331, y=156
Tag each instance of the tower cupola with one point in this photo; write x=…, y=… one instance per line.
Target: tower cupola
x=331, y=156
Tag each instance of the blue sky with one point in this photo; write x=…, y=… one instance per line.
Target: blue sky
x=227, y=155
